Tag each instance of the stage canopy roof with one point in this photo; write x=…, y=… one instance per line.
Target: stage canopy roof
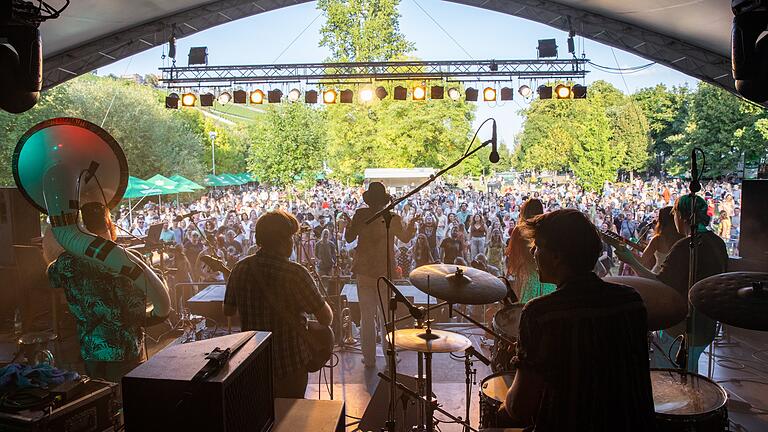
x=690, y=36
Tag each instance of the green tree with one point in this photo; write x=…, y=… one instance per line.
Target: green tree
x=289, y=143
x=666, y=111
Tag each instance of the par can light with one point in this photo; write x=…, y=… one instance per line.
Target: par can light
x=188, y=99
x=172, y=101
x=225, y=98
x=454, y=93
x=563, y=91
x=419, y=93
x=206, y=100
x=489, y=94
x=257, y=97
x=525, y=91
x=329, y=96
x=294, y=95
x=381, y=92
x=366, y=95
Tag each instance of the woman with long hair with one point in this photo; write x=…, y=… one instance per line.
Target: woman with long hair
x=422, y=252
x=477, y=233
x=520, y=263
x=665, y=235
x=495, y=249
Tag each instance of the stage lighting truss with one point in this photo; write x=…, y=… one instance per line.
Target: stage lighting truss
x=257, y=97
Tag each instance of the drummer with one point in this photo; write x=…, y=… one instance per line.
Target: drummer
x=582, y=359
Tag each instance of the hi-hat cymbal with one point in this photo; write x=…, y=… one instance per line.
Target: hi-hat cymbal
x=438, y=341
x=458, y=284
x=664, y=305
x=739, y=299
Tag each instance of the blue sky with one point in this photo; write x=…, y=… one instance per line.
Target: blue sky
x=483, y=34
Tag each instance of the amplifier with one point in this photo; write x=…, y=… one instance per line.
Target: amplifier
x=158, y=395
x=91, y=409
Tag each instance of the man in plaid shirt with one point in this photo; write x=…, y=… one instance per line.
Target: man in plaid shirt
x=290, y=288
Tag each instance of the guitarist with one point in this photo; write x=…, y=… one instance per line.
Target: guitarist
x=262, y=283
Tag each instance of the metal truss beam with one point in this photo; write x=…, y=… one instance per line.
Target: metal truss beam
x=496, y=70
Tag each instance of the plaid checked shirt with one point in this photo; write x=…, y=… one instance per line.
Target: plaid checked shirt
x=291, y=288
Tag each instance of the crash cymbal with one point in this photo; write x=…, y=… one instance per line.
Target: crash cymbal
x=438, y=341
x=458, y=284
x=664, y=305
x=739, y=299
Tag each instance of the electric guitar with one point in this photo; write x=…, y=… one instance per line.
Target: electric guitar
x=610, y=235
x=319, y=337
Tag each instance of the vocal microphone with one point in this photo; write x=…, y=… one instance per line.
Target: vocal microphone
x=416, y=313
x=695, y=186
x=494, y=156
x=472, y=351
x=180, y=218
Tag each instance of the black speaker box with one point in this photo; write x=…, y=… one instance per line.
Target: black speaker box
x=375, y=416
x=158, y=396
x=753, y=239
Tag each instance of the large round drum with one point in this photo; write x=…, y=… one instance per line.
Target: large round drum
x=507, y=323
x=688, y=402
x=493, y=392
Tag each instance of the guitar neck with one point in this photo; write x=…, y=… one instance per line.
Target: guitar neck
x=626, y=241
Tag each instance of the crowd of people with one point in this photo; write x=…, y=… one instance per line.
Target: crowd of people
x=463, y=223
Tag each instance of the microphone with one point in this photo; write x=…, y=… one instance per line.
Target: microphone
x=695, y=186
x=184, y=216
x=416, y=313
x=494, y=156
x=474, y=352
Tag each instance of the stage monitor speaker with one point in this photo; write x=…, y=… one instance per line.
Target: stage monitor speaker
x=19, y=223
x=753, y=238
x=158, y=395
x=375, y=416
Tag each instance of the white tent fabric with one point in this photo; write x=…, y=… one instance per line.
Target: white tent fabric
x=692, y=36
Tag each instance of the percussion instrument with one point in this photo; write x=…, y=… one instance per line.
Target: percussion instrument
x=458, y=284
x=738, y=299
x=664, y=305
x=493, y=392
x=507, y=323
x=436, y=341
x=684, y=401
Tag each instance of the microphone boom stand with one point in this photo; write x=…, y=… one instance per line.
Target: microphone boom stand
x=386, y=214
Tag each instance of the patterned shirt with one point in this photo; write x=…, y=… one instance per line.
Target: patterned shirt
x=588, y=341
x=108, y=308
x=289, y=287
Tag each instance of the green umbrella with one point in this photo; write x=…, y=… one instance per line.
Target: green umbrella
x=214, y=181
x=167, y=185
x=247, y=177
x=138, y=188
x=232, y=179
x=186, y=182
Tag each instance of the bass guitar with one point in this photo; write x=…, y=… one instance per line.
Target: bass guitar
x=319, y=337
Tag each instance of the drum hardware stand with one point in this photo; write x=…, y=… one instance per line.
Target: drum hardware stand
x=451, y=311
x=386, y=214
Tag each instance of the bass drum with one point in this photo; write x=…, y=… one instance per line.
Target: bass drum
x=493, y=392
x=688, y=402
x=507, y=323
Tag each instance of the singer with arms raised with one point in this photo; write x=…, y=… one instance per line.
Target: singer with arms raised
x=582, y=356
x=267, y=280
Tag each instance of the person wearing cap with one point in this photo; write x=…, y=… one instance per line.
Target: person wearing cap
x=370, y=263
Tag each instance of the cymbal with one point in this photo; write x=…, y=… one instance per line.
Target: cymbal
x=665, y=306
x=739, y=299
x=458, y=284
x=439, y=341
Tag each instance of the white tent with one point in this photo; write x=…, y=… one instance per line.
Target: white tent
x=396, y=178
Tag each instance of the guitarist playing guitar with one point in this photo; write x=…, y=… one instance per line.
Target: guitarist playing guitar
x=271, y=293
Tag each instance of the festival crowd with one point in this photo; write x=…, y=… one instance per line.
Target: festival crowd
x=461, y=224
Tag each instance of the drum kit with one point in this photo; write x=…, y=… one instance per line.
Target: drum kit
x=682, y=400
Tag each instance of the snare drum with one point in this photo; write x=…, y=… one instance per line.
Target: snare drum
x=684, y=401
x=507, y=323
x=493, y=392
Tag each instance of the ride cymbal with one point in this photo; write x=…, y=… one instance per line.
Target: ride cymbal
x=737, y=298
x=438, y=341
x=458, y=284
x=664, y=305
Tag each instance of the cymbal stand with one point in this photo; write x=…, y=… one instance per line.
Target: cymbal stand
x=471, y=379
x=473, y=321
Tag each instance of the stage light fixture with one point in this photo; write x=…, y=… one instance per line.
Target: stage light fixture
x=198, y=56
x=419, y=93
x=563, y=91
x=401, y=93
x=206, y=100
x=329, y=96
x=381, y=92
x=525, y=91
x=506, y=94
x=239, y=96
x=454, y=93
x=294, y=95
x=579, y=91
x=547, y=48
x=274, y=96
x=257, y=97
x=345, y=96
x=436, y=92
x=470, y=94
x=489, y=94
x=188, y=99
x=172, y=101
x=310, y=96
x=366, y=95
x=225, y=98
x=545, y=92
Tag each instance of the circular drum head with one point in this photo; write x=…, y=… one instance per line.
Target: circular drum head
x=495, y=386
x=507, y=320
x=694, y=395
x=78, y=145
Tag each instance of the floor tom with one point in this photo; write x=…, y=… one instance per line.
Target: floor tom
x=688, y=402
